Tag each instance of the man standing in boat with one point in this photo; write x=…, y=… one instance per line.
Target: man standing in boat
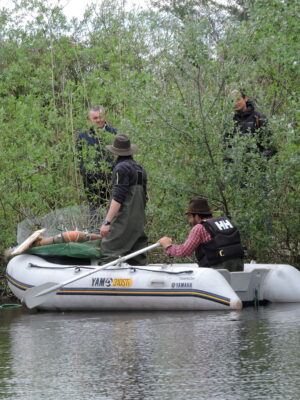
x=95, y=162
x=123, y=227
x=215, y=241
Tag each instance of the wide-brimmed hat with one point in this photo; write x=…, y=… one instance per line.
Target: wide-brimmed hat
x=122, y=146
x=199, y=205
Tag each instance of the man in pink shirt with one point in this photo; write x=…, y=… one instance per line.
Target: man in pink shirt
x=215, y=241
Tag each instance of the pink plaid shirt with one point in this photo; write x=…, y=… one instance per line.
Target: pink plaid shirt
x=197, y=236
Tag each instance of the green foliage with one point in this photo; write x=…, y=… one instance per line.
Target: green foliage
x=164, y=79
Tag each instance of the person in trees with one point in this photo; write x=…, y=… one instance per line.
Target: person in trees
x=95, y=162
x=215, y=241
x=123, y=227
x=248, y=120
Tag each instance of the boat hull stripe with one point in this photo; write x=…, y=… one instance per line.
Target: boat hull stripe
x=148, y=292
x=16, y=283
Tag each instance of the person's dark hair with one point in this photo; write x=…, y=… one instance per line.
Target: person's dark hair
x=243, y=93
x=203, y=216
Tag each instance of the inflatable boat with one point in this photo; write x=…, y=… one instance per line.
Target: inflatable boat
x=154, y=287
x=51, y=270
x=121, y=286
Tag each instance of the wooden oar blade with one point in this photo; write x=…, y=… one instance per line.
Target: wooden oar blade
x=34, y=296
x=28, y=242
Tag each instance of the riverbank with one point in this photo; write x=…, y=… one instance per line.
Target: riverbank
x=5, y=293
x=9, y=302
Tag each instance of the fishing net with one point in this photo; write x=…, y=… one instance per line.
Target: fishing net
x=72, y=218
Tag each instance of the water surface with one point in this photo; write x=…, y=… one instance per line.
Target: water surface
x=248, y=354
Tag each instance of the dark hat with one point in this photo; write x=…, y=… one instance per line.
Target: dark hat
x=199, y=205
x=122, y=146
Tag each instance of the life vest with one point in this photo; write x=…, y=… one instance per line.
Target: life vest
x=224, y=245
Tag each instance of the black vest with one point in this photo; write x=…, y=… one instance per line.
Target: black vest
x=225, y=244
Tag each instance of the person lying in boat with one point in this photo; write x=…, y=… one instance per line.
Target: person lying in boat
x=215, y=241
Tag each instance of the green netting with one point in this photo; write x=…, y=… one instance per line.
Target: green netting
x=89, y=249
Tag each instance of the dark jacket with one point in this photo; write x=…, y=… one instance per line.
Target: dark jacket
x=95, y=163
x=127, y=172
x=255, y=123
x=225, y=243
x=90, y=139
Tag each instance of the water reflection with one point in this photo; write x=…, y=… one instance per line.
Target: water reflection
x=179, y=355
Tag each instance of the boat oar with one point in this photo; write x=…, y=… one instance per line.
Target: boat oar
x=39, y=294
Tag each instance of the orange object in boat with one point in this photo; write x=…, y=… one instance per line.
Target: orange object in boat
x=67, y=237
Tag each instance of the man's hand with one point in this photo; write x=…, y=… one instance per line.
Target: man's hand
x=112, y=212
x=104, y=230
x=165, y=242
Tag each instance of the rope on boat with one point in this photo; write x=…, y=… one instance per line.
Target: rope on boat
x=65, y=267
x=133, y=269
x=163, y=272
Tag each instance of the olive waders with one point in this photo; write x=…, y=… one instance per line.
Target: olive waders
x=127, y=234
x=233, y=265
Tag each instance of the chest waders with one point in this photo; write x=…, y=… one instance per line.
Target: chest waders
x=127, y=228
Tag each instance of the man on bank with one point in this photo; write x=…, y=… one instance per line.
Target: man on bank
x=248, y=121
x=123, y=227
x=215, y=241
x=95, y=162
